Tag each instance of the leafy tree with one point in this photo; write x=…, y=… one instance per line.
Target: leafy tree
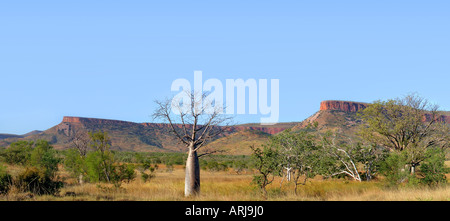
x=146, y=168
x=99, y=166
x=100, y=163
x=75, y=163
x=18, y=153
x=267, y=165
x=339, y=159
x=409, y=124
x=370, y=156
x=433, y=167
x=393, y=169
x=93, y=159
x=297, y=154
x=44, y=157
x=41, y=163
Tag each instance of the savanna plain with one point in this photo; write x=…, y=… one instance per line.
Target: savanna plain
x=168, y=185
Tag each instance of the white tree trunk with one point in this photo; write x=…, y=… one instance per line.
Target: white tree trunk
x=192, y=178
x=80, y=179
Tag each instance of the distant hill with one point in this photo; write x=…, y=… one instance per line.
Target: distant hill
x=341, y=117
x=338, y=116
x=5, y=136
x=238, y=143
x=128, y=136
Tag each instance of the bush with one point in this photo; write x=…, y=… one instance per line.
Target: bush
x=44, y=156
x=433, y=167
x=99, y=166
x=74, y=164
x=393, y=168
x=216, y=166
x=18, y=153
x=124, y=172
x=5, y=180
x=147, y=166
x=37, y=181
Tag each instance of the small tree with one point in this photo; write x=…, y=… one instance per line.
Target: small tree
x=39, y=176
x=80, y=141
x=433, y=167
x=370, y=157
x=75, y=164
x=44, y=157
x=297, y=154
x=267, y=165
x=18, y=152
x=100, y=162
x=95, y=160
x=340, y=160
x=393, y=169
x=146, y=168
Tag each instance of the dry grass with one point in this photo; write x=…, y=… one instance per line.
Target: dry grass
x=228, y=186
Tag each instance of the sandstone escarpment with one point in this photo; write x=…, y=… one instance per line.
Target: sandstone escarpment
x=346, y=106
x=95, y=121
x=439, y=118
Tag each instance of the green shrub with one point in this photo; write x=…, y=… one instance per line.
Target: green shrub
x=44, y=156
x=393, y=168
x=37, y=181
x=99, y=166
x=433, y=167
x=147, y=166
x=5, y=180
x=216, y=166
x=74, y=163
x=123, y=172
x=18, y=153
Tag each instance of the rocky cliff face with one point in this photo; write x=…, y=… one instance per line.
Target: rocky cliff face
x=346, y=106
x=71, y=120
x=94, y=121
x=440, y=118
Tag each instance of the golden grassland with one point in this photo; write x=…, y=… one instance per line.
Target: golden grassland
x=229, y=186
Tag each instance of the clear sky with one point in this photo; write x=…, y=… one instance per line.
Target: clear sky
x=112, y=59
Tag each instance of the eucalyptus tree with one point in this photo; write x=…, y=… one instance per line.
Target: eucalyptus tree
x=298, y=155
x=411, y=124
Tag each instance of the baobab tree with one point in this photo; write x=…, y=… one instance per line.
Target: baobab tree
x=194, y=121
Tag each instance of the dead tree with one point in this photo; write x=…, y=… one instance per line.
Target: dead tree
x=193, y=123
x=81, y=141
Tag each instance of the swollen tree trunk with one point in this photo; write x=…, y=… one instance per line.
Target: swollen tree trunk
x=192, y=178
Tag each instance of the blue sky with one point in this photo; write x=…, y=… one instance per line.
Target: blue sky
x=112, y=59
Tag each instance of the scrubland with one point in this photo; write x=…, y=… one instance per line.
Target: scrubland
x=168, y=185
